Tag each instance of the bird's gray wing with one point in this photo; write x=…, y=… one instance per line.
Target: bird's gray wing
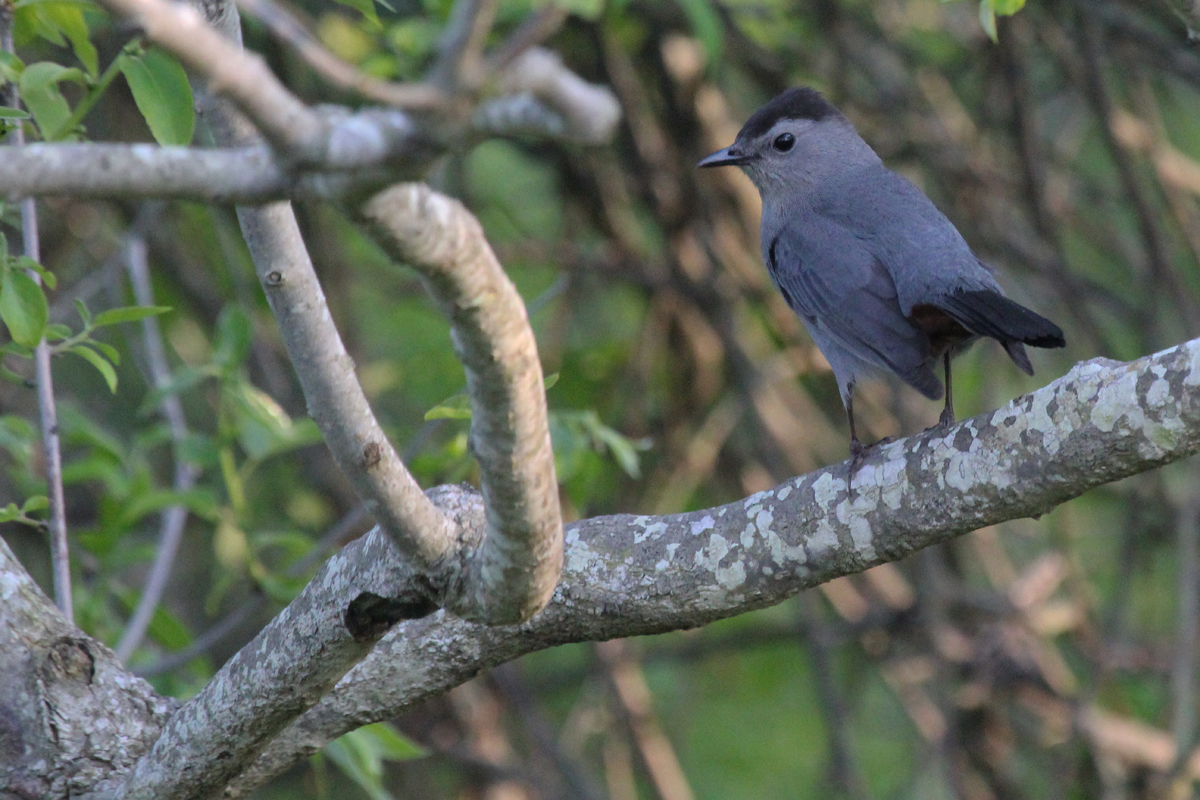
x=848, y=300
x=922, y=250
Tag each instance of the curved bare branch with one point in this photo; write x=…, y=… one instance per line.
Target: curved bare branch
x=512, y=574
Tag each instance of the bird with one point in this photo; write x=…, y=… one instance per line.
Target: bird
x=882, y=280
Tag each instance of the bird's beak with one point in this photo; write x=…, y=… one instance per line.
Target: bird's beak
x=729, y=157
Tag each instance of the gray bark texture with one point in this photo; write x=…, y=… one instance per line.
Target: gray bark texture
x=73, y=722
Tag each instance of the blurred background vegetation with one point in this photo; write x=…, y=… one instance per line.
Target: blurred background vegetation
x=1048, y=658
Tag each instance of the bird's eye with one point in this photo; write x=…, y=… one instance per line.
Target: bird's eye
x=784, y=142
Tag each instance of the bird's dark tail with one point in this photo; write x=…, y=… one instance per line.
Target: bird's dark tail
x=988, y=313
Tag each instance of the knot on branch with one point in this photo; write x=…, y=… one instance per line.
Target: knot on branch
x=369, y=616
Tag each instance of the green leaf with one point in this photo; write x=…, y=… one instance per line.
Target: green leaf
x=160, y=89
x=183, y=379
x=56, y=332
x=360, y=755
x=366, y=8
x=199, y=501
x=454, y=407
x=168, y=630
x=96, y=360
x=47, y=73
x=84, y=314
x=9, y=513
x=107, y=350
x=18, y=350
x=3, y=252
x=552, y=379
x=263, y=427
x=39, y=502
x=235, y=333
x=390, y=744
x=12, y=377
x=68, y=18
x=13, y=113
x=199, y=450
x=987, y=18
x=115, y=316
x=584, y=9
x=706, y=25
x=39, y=89
x=48, y=277
x=1006, y=8
x=23, y=307
x=11, y=67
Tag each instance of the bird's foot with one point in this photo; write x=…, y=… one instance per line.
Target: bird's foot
x=860, y=451
x=946, y=420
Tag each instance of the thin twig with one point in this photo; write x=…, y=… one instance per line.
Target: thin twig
x=1183, y=672
x=60, y=554
x=535, y=29
x=1099, y=96
x=284, y=24
x=516, y=691
x=634, y=703
x=460, y=51
x=847, y=777
x=175, y=517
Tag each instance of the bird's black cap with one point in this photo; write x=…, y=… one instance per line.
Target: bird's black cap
x=802, y=102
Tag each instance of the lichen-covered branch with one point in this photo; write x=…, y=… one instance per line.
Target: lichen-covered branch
x=623, y=575
x=54, y=678
x=292, y=662
x=512, y=573
x=630, y=575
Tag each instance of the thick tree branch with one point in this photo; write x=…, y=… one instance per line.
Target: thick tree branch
x=239, y=175
x=295, y=660
x=588, y=113
x=59, y=680
x=515, y=569
x=623, y=575
x=629, y=575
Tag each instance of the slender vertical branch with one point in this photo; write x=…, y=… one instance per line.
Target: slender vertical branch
x=844, y=770
x=460, y=51
x=335, y=399
x=1183, y=672
x=175, y=517
x=59, y=549
x=634, y=703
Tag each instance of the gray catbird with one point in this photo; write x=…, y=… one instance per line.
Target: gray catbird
x=882, y=280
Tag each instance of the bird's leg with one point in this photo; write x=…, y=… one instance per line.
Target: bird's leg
x=947, y=417
x=858, y=451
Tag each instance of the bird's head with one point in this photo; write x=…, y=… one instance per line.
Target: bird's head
x=795, y=141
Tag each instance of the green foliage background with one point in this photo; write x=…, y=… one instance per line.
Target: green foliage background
x=683, y=382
